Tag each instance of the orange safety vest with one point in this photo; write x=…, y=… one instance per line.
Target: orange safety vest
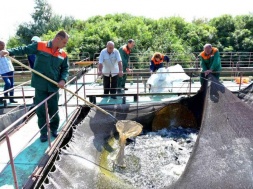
x=159, y=61
x=205, y=56
x=126, y=49
x=43, y=46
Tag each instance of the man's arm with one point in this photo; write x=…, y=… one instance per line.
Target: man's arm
x=122, y=52
x=100, y=67
x=204, y=68
x=119, y=63
x=4, y=53
x=216, y=62
x=64, y=73
x=100, y=63
x=124, y=57
x=29, y=49
x=202, y=64
x=152, y=66
x=120, y=69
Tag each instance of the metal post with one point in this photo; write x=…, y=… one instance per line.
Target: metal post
x=249, y=59
x=75, y=69
x=12, y=162
x=145, y=86
x=240, y=81
x=131, y=66
x=137, y=94
x=76, y=91
x=137, y=88
x=65, y=103
x=48, y=125
x=84, y=86
x=95, y=69
x=190, y=84
x=23, y=94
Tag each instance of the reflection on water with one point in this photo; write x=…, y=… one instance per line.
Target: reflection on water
x=156, y=159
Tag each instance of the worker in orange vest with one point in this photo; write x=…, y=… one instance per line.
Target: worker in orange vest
x=157, y=61
x=210, y=62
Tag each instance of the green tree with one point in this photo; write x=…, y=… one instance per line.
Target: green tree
x=197, y=34
x=14, y=42
x=243, y=34
x=41, y=18
x=43, y=21
x=225, y=26
x=172, y=35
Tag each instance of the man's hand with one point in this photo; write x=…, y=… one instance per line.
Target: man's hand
x=120, y=73
x=61, y=84
x=129, y=70
x=4, y=53
x=99, y=73
x=207, y=72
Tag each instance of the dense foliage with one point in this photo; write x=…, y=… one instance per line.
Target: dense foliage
x=167, y=35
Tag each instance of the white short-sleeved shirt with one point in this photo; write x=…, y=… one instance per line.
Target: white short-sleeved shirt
x=5, y=65
x=110, y=62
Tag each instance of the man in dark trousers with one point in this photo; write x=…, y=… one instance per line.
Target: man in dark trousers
x=125, y=51
x=110, y=66
x=51, y=61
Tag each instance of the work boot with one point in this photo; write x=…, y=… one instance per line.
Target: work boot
x=43, y=137
x=54, y=134
x=113, y=97
x=13, y=101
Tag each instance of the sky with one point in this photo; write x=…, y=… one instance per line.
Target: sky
x=15, y=12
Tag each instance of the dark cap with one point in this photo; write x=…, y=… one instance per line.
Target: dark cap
x=130, y=41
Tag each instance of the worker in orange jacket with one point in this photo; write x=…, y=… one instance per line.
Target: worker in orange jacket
x=157, y=61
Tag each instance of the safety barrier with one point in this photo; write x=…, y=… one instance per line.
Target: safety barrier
x=80, y=79
x=4, y=134
x=140, y=87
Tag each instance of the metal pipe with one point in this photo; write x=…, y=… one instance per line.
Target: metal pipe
x=23, y=94
x=190, y=85
x=15, y=87
x=6, y=130
x=65, y=104
x=137, y=95
x=240, y=81
x=40, y=169
x=76, y=92
x=11, y=161
x=48, y=125
x=54, y=82
x=84, y=86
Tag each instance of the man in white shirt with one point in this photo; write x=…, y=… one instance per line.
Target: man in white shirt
x=7, y=73
x=110, y=66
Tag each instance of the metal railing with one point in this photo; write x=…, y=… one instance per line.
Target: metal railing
x=7, y=131
x=139, y=89
x=228, y=59
x=142, y=87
